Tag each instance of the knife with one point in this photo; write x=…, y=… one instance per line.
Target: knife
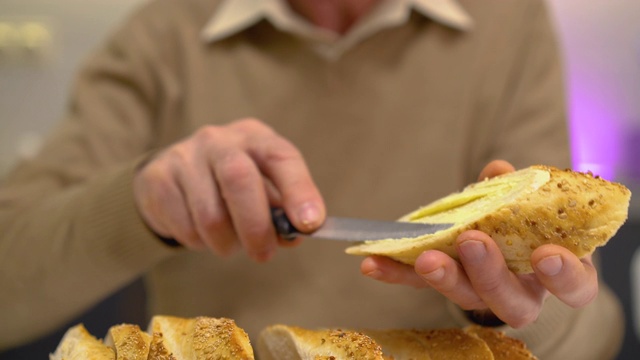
x=351, y=229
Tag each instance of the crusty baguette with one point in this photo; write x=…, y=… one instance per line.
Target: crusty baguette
x=78, y=344
x=520, y=211
x=128, y=341
x=200, y=338
x=172, y=338
x=282, y=342
x=204, y=338
x=502, y=346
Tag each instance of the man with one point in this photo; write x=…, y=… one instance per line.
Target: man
x=199, y=115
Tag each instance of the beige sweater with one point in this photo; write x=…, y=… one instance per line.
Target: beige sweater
x=410, y=114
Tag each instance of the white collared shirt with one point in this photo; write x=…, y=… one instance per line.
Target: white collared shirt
x=234, y=16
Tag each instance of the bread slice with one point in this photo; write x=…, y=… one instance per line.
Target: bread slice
x=78, y=344
x=502, y=346
x=200, y=338
x=521, y=211
x=453, y=344
x=282, y=342
x=399, y=344
x=433, y=344
x=128, y=341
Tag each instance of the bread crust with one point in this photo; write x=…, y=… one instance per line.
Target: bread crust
x=282, y=342
x=128, y=341
x=546, y=205
x=198, y=338
x=502, y=346
x=78, y=344
x=169, y=338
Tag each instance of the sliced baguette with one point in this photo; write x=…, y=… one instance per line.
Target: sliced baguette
x=200, y=338
x=520, y=211
x=128, y=341
x=502, y=346
x=78, y=344
x=282, y=342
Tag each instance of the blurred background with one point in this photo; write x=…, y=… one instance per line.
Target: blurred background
x=42, y=43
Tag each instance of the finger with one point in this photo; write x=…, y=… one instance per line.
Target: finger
x=389, y=271
x=447, y=276
x=515, y=302
x=495, y=168
x=167, y=206
x=285, y=167
x=206, y=207
x=572, y=280
x=243, y=191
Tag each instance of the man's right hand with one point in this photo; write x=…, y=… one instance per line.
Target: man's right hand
x=214, y=189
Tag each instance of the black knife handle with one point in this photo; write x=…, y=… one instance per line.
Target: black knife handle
x=283, y=226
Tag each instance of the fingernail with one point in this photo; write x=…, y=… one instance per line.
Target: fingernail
x=473, y=249
x=435, y=275
x=551, y=265
x=309, y=215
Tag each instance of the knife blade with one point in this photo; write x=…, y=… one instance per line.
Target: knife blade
x=352, y=229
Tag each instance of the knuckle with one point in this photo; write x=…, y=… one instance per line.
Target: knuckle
x=281, y=150
x=234, y=170
x=208, y=134
x=250, y=124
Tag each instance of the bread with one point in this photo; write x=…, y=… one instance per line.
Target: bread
x=445, y=344
x=198, y=338
x=78, y=344
x=521, y=211
x=502, y=346
x=282, y=342
x=169, y=338
x=128, y=341
x=205, y=338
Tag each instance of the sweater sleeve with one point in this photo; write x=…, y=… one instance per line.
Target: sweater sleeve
x=532, y=129
x=70, y=231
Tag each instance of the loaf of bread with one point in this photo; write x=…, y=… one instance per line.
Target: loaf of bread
x=521, y=211
x=279, y=341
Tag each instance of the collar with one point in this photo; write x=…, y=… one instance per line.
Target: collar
x=233, y=16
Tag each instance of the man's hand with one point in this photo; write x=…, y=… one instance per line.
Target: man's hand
x=214, y=189
x=482, y=281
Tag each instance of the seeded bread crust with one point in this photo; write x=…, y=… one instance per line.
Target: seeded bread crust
x=168, y=338
x=575, y=210
x=128, y=341
x=475, y=342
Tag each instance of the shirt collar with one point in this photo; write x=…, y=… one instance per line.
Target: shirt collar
x=233, y=16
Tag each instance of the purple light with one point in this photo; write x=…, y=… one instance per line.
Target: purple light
x=595, y=136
